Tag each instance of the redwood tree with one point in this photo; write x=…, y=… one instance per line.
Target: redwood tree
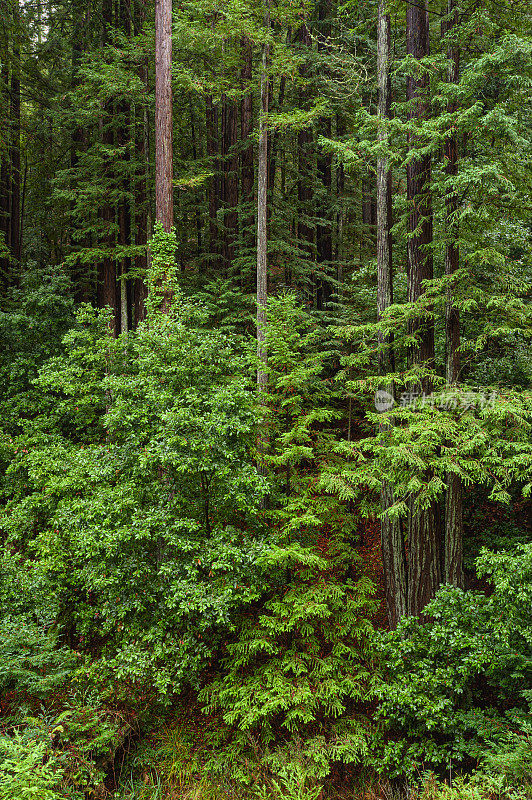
x=262, y=232
x=453, y=570
x=164, y=196
x=424, y=572
x=393, y=552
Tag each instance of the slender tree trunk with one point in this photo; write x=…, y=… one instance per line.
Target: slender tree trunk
x=246, y=120
x=453, y=500
x=83, y=282
x=246, y=157
x=393, y=550
x=195, y=155
x=5, y=166
x=164, y=192
x=141, y=193
x=164, y=172
x=340, y=214
x=107, y=285
x=15, y=150
x=211, y=111
x=424, y=572
x=324, y=241
x=262, y=238
x=124, y=212
x=273, y=144
x=324, y=228
x=420, y=265
x=23, y=199
x=230, y=177
x=305, y=233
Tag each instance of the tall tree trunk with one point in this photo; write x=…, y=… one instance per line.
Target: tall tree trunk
x=83, y=281
x=305, y=233
x=196, y=148
x=453, y=565
x=5, y=166
x=247, y=169
x=124, y=213
x=15, y=148
x=424, y=572
x=164, y=192
x=211, y=111
x=262, y=238
x=141, y=190
x=393, y=550
x=340, y=214
x=246, y=120
x=324, y=229
x=107, y=286
x=420, y=265
x=273, y=143
x=324, y=242
x=324, y=238
x=124, y=221
x=230, y=178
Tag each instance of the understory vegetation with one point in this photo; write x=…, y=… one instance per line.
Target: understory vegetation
x=177, y=624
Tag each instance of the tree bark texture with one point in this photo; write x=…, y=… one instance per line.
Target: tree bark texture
x=424, y=567
x=230, y=177
x=107, y=286
x=305, y=232
x=453, y=561
x=14, y=237
x=164, y=192
x=393, y=550
x=262, y=238
x=420, y=262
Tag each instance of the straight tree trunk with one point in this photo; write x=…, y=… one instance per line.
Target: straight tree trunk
x=273, y=143
x=324, y=241
x=5, y=166
x=424, y=571
x=124, y=220
x=340, y=214
x=124, y=213
x=420, y=264
x=211, y=112
x=230, y=177
x=15, y=149
x=393, y=550
x=453, y=563
x=141, y=193
x=324, y=229
x=83, y=280
x=164, y=193
x=262, y=239
x=164, y=173
x=246, y=120
x=247, y=169
x=305, y=233
x=107, y=285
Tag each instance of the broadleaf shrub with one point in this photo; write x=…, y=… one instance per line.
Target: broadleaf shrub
x=457, y=688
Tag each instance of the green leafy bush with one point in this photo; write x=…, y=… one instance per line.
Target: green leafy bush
x=457, y=688
x=133, y=499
